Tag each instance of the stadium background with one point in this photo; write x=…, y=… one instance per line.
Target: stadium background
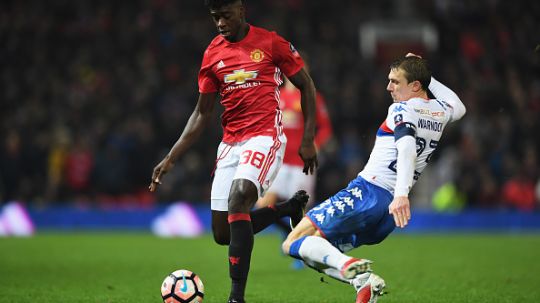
x=94, y=93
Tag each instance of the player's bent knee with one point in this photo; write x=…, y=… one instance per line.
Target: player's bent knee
x=286, y=246
x=221, y=238
x=220, y=227
x=243, y=196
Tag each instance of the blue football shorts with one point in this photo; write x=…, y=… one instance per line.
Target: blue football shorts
x=357, y=215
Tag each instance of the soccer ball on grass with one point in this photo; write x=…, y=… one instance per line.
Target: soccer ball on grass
x=182, y=286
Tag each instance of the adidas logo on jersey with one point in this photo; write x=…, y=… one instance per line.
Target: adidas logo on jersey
x=221, y=64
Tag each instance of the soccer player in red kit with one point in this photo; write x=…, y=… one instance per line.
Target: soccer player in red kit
x=244, y=65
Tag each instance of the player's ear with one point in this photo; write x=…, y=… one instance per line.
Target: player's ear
x=416, y=86
x=242, y=10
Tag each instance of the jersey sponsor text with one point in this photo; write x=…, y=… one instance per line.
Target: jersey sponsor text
x=430, y=125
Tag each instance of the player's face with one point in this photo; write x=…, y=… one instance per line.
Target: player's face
x=398, y=86
x=228, y=20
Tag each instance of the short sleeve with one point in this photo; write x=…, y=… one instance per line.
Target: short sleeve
x=208, y=82
x=285, y=56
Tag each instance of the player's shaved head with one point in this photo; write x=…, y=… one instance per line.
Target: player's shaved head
x=217, y=4
x=416, y=69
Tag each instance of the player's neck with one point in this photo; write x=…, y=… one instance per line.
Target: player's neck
x=242, y=33
x=421, y=95
x=424, y=95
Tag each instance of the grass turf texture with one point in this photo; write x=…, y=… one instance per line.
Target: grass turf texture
x=115, y=268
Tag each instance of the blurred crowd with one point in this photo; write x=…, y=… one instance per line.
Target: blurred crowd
x=94, y=93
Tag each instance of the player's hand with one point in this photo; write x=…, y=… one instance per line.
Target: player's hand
x=401, y=210
x=308, y=153
x=161, y=169
x=413, y=55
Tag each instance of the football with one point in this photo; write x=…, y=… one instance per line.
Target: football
x=182, y=286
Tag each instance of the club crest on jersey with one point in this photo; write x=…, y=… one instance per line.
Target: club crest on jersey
x=240, y=76
x=257, y=55
x=398, y=119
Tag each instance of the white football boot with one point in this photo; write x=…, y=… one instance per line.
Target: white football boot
x=368, y=287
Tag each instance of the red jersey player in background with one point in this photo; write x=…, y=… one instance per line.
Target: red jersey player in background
x=290, y=177
x=243, y=64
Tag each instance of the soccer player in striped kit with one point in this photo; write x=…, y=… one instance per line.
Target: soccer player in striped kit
x=243, y=64
x=373, y=204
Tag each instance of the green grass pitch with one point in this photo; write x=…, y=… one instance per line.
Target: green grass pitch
x=129, y=267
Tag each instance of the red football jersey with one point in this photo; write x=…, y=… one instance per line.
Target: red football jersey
x=247, y=75
x=293, y=124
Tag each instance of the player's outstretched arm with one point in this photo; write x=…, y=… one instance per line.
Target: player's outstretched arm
x=302, y=80
x=200, y=117
x=406, y=158
x=442, y=92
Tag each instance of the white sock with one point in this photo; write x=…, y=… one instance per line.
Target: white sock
x=336, y=274
x=319, y=250
x=329, y=271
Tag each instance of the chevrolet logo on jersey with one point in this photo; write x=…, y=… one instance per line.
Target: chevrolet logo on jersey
x=240, y=76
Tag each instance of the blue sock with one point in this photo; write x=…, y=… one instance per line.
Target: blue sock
x=295, y=248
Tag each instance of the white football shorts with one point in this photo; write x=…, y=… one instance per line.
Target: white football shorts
x=257, y=159
x=291, y=179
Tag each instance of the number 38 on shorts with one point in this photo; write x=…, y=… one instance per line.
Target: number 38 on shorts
x=257, y=159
